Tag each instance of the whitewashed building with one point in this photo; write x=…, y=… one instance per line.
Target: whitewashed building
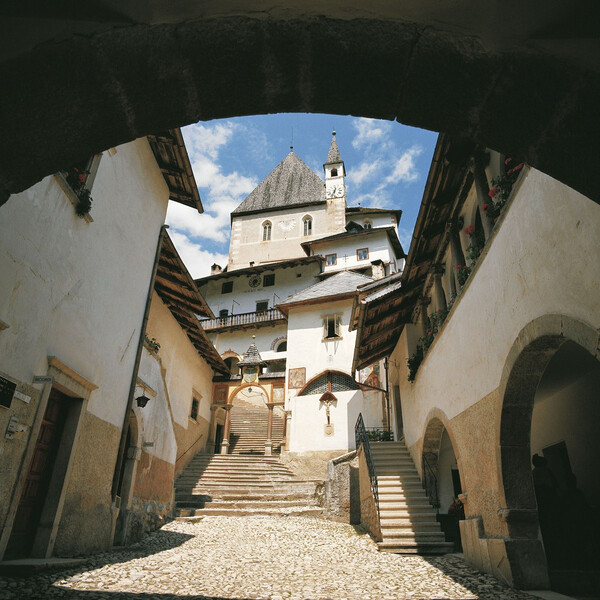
x=297, y=254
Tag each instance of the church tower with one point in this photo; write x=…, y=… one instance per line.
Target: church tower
x=335, y=187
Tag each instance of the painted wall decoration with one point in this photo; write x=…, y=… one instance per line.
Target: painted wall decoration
x=297, y=378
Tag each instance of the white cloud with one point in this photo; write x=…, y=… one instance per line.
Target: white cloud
x=197, y=260
x=213, y=227
x=364, y=172
x=404, y=169
x=370, y=131
x=206, y=139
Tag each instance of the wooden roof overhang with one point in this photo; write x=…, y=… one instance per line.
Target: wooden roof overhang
x=174, y=163
x=261, y=267
x=176, y=288
x=379, y=321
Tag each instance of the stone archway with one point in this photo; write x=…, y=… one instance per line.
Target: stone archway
x=437, y=439
x=520, y=81
x=536, y=346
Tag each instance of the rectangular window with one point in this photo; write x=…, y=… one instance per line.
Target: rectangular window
x=332, y=327
x=269, y=280
x=194, y=410
x=227, y=287
x=362, y=254
x=262, y=306
x=330, y=259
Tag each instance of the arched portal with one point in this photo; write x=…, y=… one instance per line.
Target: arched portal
x=549, y=451
x=520, y=81
x=442, y=478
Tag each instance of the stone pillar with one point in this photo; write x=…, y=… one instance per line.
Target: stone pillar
x=458, y=258
x=212, y=432
x=423, y=317
x=482, y=188
x=269, y=442
x=287, y=416
x=225, y=442
x=439, y=298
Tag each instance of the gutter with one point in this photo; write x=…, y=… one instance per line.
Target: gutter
x=136, y=367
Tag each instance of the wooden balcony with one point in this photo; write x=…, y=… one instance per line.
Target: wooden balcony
x=243, y=320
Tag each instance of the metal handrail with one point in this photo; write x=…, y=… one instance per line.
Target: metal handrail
x=430, y=484
x=361, y=439
x=241, y=319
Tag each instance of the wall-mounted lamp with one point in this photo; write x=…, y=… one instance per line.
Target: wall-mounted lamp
x=142, y=400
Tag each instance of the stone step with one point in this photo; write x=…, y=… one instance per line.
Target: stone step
x=416, y=547
x=402, y=519
x=193, y=499
x=251, y=503
x=298, y=511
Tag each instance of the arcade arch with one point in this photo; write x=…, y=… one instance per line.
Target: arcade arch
x=549, y=421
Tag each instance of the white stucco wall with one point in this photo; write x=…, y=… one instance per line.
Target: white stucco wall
x=307, y=349
x=287, y=233
x=185, y=372
x=377, y=243
x=287, y=282
x=542, y=260
x=77, y=290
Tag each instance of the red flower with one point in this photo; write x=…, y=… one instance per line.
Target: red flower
x=493, y=192
x=82, y=177
x=470, y=229
x=508, y=160
x=485, y=207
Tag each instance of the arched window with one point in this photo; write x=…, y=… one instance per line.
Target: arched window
x=308, y=223
x=266, y=231
x=282, y=346
x=368, y=224
x=334, y=172
x=329, y=381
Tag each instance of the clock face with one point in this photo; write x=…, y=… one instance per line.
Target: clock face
x=335, y=191
x=254, y=281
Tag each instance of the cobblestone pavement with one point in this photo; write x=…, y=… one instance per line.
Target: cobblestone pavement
x=267, y=558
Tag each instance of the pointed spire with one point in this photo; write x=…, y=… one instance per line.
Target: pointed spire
x=252, y=356
x=333, y=155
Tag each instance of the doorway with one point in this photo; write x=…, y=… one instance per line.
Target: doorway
x=37, y=482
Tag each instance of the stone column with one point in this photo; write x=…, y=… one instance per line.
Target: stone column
x=423, y=317
x=482, y=188
x=287, y=417
x=212, y=432
x=225, y=442
x=269, y=442
x=438, y=289
x=458, y=258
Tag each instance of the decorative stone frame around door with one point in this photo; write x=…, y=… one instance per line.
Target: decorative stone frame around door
x=77, y=387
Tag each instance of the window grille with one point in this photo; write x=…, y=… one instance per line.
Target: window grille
x=330, y=382
x=269, y=280
x=227, y=287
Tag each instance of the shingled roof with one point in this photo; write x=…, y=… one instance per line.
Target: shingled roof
x=290, y=183
x=341, y=284
x=333, y=156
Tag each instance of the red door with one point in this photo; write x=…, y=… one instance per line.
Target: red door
x=34, y=493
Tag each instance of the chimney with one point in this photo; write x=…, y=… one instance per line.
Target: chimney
x=216, y=269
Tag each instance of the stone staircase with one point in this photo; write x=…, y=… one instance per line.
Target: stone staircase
x=248, y=432
x=407, y=519
x=239, y=485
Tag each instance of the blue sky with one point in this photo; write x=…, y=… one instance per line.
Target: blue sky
x=386, y=167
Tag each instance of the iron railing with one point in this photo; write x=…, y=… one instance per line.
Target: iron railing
x=430, y=485
x=362, y=439
x=242, y=319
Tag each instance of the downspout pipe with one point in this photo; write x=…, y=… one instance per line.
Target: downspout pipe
x=387, y=393
x=136, y=367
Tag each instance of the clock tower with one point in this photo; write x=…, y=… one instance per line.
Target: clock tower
x=335, y=187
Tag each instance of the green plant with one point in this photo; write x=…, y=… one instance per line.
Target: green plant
x=414, y=362
x=77, y=179
x=502, y=187
x=462, y=273
x=153, y=345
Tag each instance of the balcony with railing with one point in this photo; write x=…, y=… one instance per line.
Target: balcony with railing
x=243, y=320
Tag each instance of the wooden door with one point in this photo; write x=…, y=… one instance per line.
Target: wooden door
x=34, y=493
